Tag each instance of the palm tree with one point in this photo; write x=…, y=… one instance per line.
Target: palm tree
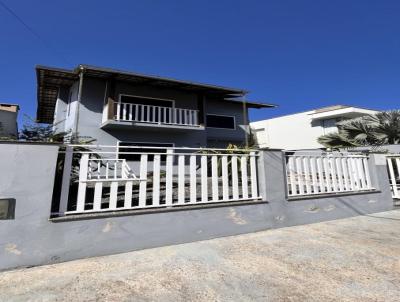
x=371, y=130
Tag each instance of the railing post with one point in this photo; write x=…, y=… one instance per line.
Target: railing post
x=168, y=177
x=83, y=169
x=118, y=111
x=66, y=180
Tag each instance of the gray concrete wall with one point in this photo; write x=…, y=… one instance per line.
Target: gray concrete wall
x=32, y=239
x=61, y=110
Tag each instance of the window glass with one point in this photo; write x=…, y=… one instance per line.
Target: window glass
x=220, y=121
x=136, y=157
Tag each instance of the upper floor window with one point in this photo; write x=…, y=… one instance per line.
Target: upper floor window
x=220, y=121
x=140, y=100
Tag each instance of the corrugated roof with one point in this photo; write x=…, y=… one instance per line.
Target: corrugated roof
x=50, y=79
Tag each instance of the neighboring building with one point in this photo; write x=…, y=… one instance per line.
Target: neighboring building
x=301, y=130
x=8, y=120
x=118, y=107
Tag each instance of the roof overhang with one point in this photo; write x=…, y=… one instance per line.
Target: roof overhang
x=50, y=79
x=348, y=112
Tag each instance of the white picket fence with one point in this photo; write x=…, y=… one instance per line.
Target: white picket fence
x=177, y=177
x=156, y=114
x=326, y=174
x=393, y=163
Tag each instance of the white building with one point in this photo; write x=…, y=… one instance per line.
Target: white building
x=301, y=130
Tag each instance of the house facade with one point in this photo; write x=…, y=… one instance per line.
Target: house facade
x=116, y=107
x=8, y=120
x=301, y=130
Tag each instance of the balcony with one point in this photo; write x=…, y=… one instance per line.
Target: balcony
x=120, y=114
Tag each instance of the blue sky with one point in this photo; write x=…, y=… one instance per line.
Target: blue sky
x=299, y=54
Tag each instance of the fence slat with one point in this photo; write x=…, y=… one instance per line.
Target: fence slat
x=214, y=176
x=321, y=179
x=345, y=170
x=314, y=175
x=113, y=195
x=181, y=179
x=128, y=194
x=225, y=182
x=327, y=173
x=98, y=188
x=168, y=177
x=253, y=175
x=332, y=166
x=245, y=182
x=235, y=179
x=361, y=174
x=193, y=179
x=367, y=175
x=204, y=179
x=293, y=186
x=143, y=184
x=156, y=180
x=351, y=174
x=397, y=188
x=355, y=174
x=339, y=173
x=299, y=173
x=307, y=179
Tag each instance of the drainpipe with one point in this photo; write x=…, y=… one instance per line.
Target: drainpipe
x=75, y=131
x=245, y=121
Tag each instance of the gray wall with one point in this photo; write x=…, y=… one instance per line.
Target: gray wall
x=32, y=239
x=91, y=110
x=8, y=123
x=61, y=110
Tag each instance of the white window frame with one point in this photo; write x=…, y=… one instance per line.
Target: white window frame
x=216, y=114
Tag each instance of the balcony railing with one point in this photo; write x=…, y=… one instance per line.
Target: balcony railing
x=155, y=114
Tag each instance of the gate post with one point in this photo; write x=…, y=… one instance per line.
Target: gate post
x=66, y=179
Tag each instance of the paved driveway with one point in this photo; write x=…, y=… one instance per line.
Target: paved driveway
x=356, y=259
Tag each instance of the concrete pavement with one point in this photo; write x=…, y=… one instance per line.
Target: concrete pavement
x=354, y=259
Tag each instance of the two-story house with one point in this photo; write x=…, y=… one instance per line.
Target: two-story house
x=125, y=108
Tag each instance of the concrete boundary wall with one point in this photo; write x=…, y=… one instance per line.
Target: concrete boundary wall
x=31, y=238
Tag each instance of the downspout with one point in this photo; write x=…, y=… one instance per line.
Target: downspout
x=245, y=121
x=75, y=132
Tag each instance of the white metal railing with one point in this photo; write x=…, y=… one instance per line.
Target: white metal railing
x=156, y=114
x=326, y=174
x=393, y=163
x=177, y=177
